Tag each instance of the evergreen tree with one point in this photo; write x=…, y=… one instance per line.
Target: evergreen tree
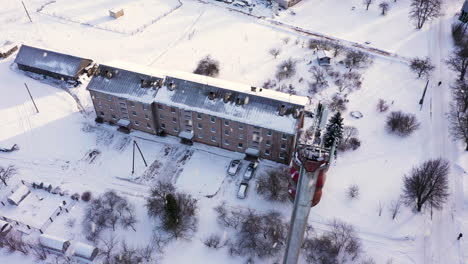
x=172, y=211
x=334, y=130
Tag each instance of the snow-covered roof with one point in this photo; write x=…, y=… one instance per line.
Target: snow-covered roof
x=323, y=54
x=51, y=61
x=241, y=88
x=85, y=251
x=252, y=152
x=123, y=122
x=245, y=107
x=53, y=242
x=127, y=83
x=186, y=135
x=19, y=194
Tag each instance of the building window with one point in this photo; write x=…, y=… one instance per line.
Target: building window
x=283, y=146
x=134, y=113
x=268, y=143
x=100, y=105
x=226, y=132
x=241, y=136
x=269, y=133
x=284, y=137
x=226, y=122
x=199, y=115
x=281, y=155
x=148, y=125
x=111, y=108
x=256, y=127
x=132, y=104
x=267, y=152
x=241, y=126
x=109, y=98
x=213, y=138
x=173, y=110
x=174, y=120
x=200, y=135
x=213, y=119
x=146, y=116
x=102, y=113
x=200, y=126
x=123, y=104
x=226, y=142
x=213, y=130
x=114, y=117
x=137, y=123
x=163, y=126
x=161, y=116
x=94, y=97
x=145, y=107
x=160, y=106
x=176, y=129
x=240, y=145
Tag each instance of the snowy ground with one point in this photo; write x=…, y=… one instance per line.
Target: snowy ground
x=55, y=143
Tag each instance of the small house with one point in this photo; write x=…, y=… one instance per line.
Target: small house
x=464, y=13
x=116, y=12
x=85, y=251
x=52, y=64
x=323, y=57
x=287, y=3
x=18, y=195
x=54, y=243
x=7, y=49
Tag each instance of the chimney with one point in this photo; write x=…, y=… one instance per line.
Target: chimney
x=212, y=95
x=108, y=74
x=253, y=89
x=227, y=96
x=171, y=86
x=282, y=110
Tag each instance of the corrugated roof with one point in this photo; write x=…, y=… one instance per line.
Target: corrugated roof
x=51, y=61
x=125, y=83
x=258, y=111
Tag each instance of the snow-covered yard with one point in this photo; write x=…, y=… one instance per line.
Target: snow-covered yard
x=55, y=143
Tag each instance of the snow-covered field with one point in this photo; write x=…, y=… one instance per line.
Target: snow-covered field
x=56, y=141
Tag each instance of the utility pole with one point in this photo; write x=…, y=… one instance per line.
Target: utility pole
x=27, y=13
x=141, y=153
x=34, y=103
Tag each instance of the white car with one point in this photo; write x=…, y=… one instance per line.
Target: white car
x=5, y=227
x=239, y=4
x=250, y=171
x=234, y=166
x=242, y=193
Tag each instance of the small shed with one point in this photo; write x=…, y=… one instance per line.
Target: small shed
x=85, y=251
x=7, y=49
x=464, y=13
x=323, y=57
x=19, y=195
x=54, y=243
x=116, y=12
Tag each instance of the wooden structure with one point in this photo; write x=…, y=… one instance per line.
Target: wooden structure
x=116, y=12
x=7, y=49
x=323, y=58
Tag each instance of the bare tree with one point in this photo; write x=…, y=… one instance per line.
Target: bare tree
x=367, y=3
x=7, y=173
x=382, y=106
x=427, y=184
x=395, y=207
x=207, y=66
x=175, y=212
x=338, y=103
x=401, y=123
x=318, y=44
x=213, y=241
x=460, y=95
x=286, y=69
x=273, y=185
x=350, y=139
x=458, y=61
x=107, y=247
x=422, y=66
x=380, y=208
x=275, y=52
x=384, y=7
x=460, y=33
x=424, y=10
x=458, y=120
x=356, y=60
x=318, y=76
x=353, y=191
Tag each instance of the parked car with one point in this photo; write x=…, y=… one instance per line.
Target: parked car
x=228, y=1
x=250, y=171
x=247, y=2
x=239, y=4
x=5, y=227
x=234, y=166
x=242, y=193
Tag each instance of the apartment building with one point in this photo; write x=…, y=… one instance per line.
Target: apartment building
x=237, y=117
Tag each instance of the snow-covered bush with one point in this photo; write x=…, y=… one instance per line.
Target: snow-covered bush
x=6, y=173
x=338, y=103
x=401, y=123
x=273, y=185
x=175, y=212
x=213, y=241
x=318, y=44
x=274, y=52
x=286, y=69
x=422, y=66
x=382, y=106
x=356, y=60
x=86, y=196
x=207, y=66
x=269, y=84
